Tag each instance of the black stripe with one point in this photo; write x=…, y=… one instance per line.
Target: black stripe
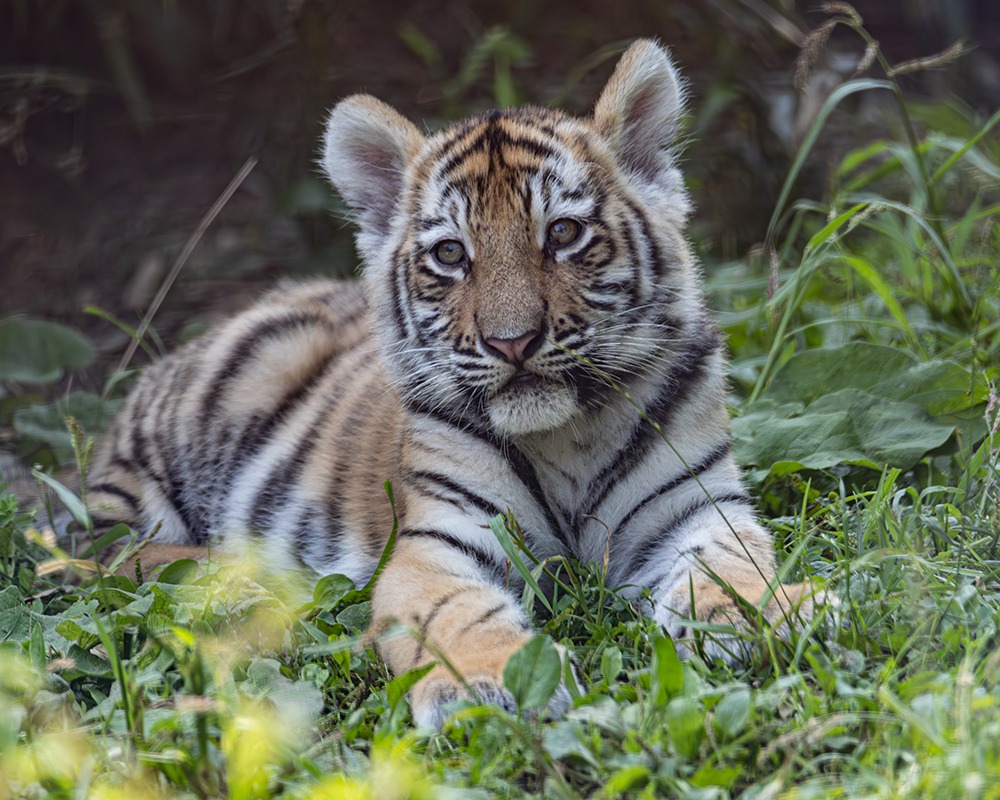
x=181, y=481
x=706, y=463
x=474, y=428
x=653, y=544
x=124, y=464
x=677, y=387
x=303, y=534
x=260, y=429
x=440, y=603
x=728, y=548
x=473, y=499
x=582, y=255
x=117, y=491
x=484, y=618
x=647, y=233
x=425, y=624
x=526, y=473
x=483, y=559
x=240, y=353
x=518, y=461
x=287, y=472
x=494, y=139
x=399, y=269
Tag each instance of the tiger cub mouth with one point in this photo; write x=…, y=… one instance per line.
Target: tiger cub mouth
x=522, y=379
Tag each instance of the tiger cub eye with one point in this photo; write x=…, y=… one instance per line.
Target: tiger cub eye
x=450, y=252
x=564, y=231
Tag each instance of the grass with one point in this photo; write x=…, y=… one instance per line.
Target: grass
x=215, y=683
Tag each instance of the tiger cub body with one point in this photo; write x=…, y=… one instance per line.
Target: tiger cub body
x=527, y=291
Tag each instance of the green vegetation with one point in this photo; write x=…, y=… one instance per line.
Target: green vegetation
x=866, y=339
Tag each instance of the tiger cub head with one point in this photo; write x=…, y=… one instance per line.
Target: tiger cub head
x=518, y=260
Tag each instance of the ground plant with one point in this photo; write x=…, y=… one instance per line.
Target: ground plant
x=865, y=334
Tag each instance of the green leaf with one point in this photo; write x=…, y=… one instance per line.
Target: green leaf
x=331, y=590
x=15, y=620
x=401, y=684
x=708, y=775
x=357, y=616
x=861, y=404
x=668, y=672
x=732, y=714
x=611, y=664
x=181, y=571
x=85, y=662
x=116, y=532
x=626, y=778
x=36, y=351
x=686, y=724
x=565, y=740
x=73, y=503
x=532, y=673
x=36, y=648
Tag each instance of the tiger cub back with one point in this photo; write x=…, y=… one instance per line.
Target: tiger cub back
x=531, y=336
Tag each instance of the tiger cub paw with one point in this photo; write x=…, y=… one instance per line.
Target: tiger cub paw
x=791, y=605
x=434, y=698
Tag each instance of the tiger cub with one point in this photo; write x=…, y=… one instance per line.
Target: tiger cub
x=527, y=289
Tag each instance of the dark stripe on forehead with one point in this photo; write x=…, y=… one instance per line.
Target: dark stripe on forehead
x=494, y=139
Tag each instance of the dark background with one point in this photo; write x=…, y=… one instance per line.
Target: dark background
x=121, y=122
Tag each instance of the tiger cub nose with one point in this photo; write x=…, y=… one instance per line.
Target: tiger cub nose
x=515, y=351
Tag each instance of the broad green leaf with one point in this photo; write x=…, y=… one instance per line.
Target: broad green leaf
x=331, y=590
x=357, y=616
x=708, y=775
x=86, y=663
x=116, y=532
x=686, y=724
x=532, y=673
x=611, y=664
x=36, y=351
x=36, y=648
x=861, y=404
x=937, y=386
x=15, y=620
x=181, y=571
x=626, y=779
x=565, y=739
x=668, y=672
x=732, y=714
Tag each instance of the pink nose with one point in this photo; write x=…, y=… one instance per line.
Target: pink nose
x=515, y=351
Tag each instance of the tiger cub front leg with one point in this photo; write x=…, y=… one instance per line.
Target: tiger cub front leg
x=456, y=613
x=715, y=574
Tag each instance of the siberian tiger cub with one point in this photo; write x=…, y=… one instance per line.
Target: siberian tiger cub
x=523, y=271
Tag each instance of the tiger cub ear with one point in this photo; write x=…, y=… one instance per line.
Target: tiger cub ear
x=640, y=109
x=366, y=147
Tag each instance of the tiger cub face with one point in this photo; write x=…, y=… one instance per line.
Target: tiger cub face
x=506, y=252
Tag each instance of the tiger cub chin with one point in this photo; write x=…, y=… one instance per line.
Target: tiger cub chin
x=523, y=270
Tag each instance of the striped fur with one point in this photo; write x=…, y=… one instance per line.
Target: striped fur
x=478, y=376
